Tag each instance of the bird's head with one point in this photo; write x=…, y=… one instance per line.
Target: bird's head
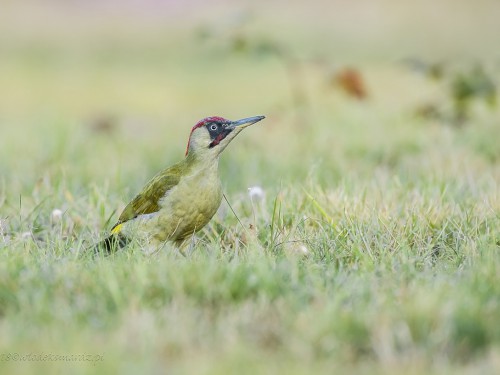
x=211, y=135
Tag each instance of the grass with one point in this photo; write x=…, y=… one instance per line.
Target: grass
x=375, y=248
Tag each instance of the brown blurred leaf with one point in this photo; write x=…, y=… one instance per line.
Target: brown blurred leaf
x=105, y=124
x=351, y=82
x=428, y=111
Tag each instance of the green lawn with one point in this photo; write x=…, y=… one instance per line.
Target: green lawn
x=376, y=245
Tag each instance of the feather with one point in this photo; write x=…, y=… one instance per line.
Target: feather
x=111, y=244
x=148, y=201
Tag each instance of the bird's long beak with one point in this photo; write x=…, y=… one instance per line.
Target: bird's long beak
x=243, y=123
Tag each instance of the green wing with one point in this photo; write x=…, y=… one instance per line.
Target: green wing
x=147, y=201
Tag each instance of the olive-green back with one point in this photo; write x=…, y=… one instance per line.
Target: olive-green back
x=147, y=201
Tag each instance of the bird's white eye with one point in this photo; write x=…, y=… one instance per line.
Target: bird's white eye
x=213, y=127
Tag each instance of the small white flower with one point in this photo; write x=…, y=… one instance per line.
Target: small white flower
x=56, y=214
x=25, y=235
x=256, y=192
x=297, y=249
x=303, y=250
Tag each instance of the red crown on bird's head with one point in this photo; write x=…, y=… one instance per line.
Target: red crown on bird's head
x=203, y=122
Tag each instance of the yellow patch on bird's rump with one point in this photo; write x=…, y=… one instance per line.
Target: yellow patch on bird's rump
x=116, y=229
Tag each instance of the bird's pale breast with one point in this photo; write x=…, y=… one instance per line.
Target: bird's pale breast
x=186, y=208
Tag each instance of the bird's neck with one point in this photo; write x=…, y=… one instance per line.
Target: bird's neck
x=202, y=161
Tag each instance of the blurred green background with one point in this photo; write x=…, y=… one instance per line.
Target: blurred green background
x=143, y=72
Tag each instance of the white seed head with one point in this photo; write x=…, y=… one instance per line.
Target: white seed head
x=256, y=193
x=56, y=214
x=303, y=250
x=297, y=249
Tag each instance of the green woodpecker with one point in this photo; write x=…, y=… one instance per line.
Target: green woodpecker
x=180, y=200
